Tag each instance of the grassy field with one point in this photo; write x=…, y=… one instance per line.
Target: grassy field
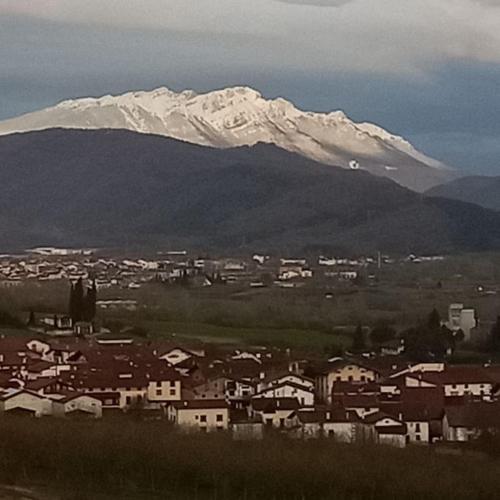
x=142, y=460
x=285, y=337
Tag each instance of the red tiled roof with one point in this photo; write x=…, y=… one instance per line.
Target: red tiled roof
x=480, y=415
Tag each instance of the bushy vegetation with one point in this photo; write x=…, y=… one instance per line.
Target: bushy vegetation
x=151, y=460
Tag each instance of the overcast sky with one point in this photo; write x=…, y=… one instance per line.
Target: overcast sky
x=425, y=69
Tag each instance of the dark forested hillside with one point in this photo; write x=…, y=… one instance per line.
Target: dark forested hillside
x=117, y=188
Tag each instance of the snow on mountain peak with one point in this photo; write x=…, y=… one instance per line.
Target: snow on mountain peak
x=239, y=116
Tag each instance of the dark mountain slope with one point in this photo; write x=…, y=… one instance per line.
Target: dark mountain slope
x=482, y=190
x=68, y=187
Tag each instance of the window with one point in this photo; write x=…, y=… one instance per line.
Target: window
x=172, y=392
x=158, y=384
x=203, y=418
x=128, y=400
x=220, y=418
x=417, y=438
x=158, y=392
x=417, y=427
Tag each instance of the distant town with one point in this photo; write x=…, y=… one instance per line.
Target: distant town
x=52, y=264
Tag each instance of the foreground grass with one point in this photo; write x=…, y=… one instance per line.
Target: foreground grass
x=131, y=459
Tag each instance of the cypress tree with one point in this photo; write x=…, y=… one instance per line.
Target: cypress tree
x=72, y=305
x=495, y=335
x=358, y=341
x=78, y=301
x=434, y=320
x=31, y=320
x=90, y=303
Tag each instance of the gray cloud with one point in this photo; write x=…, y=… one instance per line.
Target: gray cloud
x=406, y=37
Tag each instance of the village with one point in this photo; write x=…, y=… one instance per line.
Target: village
x=380, y=398
x=397, y=390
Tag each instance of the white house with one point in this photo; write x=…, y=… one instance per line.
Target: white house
x=293, y=378
x=388, y=430
x=25, y=402
x=204, y=415
x=469, y=421
x=162, y=389
x=77, y=404
x=460, y=318
x=275, y=413
x=341, y=370
x=305, y=396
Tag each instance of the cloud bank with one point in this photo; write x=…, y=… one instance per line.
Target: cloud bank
x=391, y=36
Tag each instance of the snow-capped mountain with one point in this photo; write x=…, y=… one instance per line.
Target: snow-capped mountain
x=241, y=116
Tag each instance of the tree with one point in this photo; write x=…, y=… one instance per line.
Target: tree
x=90, y=300
x=434, y=320
x=76, y=301
x=358, y=340
x=495, y=335
x=72, y=304
x=423, y=343
x=459, y=336
x=382, y=332
x=32, y=320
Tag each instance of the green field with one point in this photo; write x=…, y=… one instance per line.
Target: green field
x=286, y=337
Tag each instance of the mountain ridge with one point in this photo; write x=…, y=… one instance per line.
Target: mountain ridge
x=115, y=188
x=240, y=116
x=479, y=189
